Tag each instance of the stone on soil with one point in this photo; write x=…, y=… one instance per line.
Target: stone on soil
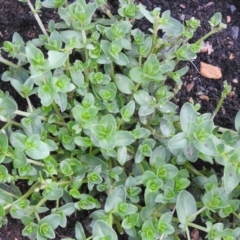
x=209, y=71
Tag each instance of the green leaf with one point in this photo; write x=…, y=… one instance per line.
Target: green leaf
x=136, y=74
x=52, y=220
x=35, y=148
x=207, y=147
x=167, y=127
x=190, y=152
x=84, y=115
x=7, y=107
x=18, y=140
x=30, y=229
x=124, y=138
x=188, y=118
x=52, y=191
x=46, y=94
x=3, y=173
x=92, y=162
x=56, y=59
x=54, y=41
x=148, y=231
x=184, y=53
x=124, y=84
x=203, y=130
x=146, y=13
x=172, y=27
x=19, y=159
x=142, y=97
x=32, y=125
x=61, y=100
x=118, y=192
x=3, y=146
x=87, y=202
x=186, y=207
x=79, y=231
x=215, y=19
x=77, y=77
x=130, y=221
x=167, y=171
x=128, y=110
x=2, y=211
x=103, y=230
x=237, y=122
x=122, y=155
x=231, y=177
x=177, y=142
x=139, y=133
x=35, y=56
x=83, y=141
x=53, y=4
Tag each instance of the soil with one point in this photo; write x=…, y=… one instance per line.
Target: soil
x=15, y=17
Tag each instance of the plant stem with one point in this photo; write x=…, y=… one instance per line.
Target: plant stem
x=110, y=219
x=214, y=30
x=7, y=125
x=119, y=227
x=107, y=11
x=192, y=169
x=29, y=104
x=136, y=88
x=10, y=194
x=8, y=63
x=27, y=114
x=31, y=190
x=222, y=130
x=85, y=42
x=196, y=213
x=55, y=107
x=236, y=215
x=140, y=61
x=197, y=226
x=64, y=183
x=39, y=21
x=112, y=70
x=188, y=234
x=37, y=216
x=225, y=92
x=35, y=162
x=154, y=36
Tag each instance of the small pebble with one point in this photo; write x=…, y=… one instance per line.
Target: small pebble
x=235, y=31
x=232, y=8
x=235, y=80
x=182, y=17
x=228, y=19
x=231, y=56
x=231, y=94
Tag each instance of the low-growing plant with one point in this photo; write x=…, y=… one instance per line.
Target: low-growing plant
x=105, y=128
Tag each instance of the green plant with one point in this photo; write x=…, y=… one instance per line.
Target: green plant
x=105, y=126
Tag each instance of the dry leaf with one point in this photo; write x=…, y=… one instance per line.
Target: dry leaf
x=189, y=86
x=206, y=47
x=204, y=97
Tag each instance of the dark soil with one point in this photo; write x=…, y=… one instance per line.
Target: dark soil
x=15, y=17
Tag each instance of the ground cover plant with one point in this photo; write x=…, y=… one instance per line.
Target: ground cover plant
x=105, y=126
